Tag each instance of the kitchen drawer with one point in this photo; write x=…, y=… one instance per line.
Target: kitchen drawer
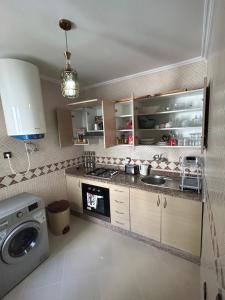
x=118, y=212
x=120, y=194
x=122, y=222
x=120, y=204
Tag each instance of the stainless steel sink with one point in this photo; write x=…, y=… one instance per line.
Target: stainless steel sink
x=154, y=180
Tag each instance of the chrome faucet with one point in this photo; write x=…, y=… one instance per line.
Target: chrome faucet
x=160, y=157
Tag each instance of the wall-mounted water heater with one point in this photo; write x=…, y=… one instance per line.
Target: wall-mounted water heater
x=20, y=92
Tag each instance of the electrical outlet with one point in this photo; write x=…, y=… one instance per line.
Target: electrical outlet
x=7, y=154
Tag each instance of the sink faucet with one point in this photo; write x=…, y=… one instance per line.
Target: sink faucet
x=160, y=157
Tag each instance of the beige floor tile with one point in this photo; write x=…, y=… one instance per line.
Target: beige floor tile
x=94, y=263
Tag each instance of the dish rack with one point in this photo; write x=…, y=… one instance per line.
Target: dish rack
x=188, y=181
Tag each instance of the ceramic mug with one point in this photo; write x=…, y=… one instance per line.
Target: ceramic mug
x=144, y=169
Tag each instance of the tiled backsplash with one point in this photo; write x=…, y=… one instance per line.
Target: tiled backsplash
x=11, y=179
x=161, y=166
x=169, y=166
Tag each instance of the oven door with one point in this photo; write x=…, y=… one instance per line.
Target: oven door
x=96, y=200
x=20, y=242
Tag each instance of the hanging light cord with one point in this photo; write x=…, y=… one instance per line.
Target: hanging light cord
x=28, y=160
x=66, y=41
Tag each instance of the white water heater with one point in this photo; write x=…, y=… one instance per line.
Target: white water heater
x=20, y=92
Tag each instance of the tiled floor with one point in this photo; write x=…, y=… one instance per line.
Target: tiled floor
x=94, y=263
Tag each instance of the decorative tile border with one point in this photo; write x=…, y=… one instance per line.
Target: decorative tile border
x=11, y=179
x=165, y=166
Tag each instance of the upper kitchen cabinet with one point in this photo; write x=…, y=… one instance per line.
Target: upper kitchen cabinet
x=170, y=120
x=85, y=120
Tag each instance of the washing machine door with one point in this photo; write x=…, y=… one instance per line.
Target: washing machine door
x=20, y=242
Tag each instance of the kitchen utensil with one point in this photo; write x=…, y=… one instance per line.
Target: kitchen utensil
x=146, y=122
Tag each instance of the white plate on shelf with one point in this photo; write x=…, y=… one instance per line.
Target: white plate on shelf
x=147, y=141
x=162, y=144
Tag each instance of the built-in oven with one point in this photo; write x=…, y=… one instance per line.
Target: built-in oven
x=96, y=201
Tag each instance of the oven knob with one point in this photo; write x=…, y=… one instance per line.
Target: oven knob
x=98, y=191
x=19, y=214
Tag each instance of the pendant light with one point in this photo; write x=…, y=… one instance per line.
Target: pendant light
x=69, y=77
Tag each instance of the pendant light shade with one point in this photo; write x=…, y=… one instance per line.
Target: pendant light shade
x=69, y=77
x=69, y=84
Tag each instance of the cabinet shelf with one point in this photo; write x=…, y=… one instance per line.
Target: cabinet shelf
x=170, y=112
x=168, y=146
x=174, y=95
x=81, y=144
x=124, y=116
x=91, y=131
x=172, y=128
x=128, y=145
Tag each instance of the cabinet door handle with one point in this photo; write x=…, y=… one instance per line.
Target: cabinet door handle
x=120, y=223
x=118, y=191
x=165, y=203
x=158, y=201
x=119, y=212
x=117, y=201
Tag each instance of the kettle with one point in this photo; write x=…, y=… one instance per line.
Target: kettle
x=144, y=169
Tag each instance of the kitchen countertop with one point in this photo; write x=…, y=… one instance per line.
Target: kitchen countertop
x=134, y=181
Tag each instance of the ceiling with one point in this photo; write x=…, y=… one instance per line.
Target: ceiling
x=113, y=38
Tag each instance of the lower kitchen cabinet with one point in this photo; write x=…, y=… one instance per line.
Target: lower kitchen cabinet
x=181, y=224
x=74, y=193
x=171, y=220
x=145, y=213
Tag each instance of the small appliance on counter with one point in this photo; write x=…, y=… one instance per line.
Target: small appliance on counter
x=190, y=182
x=129, y=168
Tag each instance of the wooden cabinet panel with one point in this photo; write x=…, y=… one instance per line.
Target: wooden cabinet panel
x=74, y=193
x=181, y=224
x=145, y=213
x=109, y=123
x=65, y=129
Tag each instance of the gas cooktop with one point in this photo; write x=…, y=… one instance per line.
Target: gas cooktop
x=103, y=173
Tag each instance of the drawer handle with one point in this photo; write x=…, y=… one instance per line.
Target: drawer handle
x=117, y=201
x=158, y=201
x=120, y=223
x=165, y=203
x=119, y=213
x=118, y=191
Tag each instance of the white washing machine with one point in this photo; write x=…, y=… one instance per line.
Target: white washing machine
x=23, y=238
